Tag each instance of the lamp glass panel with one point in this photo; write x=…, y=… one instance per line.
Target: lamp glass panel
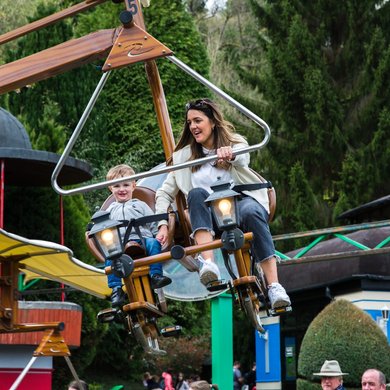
x=109, y=241
x=224, y=211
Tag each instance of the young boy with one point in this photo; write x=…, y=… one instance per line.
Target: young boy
x=125, y=207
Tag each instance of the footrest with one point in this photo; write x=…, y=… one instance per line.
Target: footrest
x=144, y=306
x=170, y=331
x=107, y=315
x=245, y=280
x=253, y=281
x=217, y=285
x=280, y=310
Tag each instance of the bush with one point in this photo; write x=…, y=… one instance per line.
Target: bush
x=344, y=333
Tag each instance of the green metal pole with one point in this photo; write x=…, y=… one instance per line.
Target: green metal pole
x=222, y=341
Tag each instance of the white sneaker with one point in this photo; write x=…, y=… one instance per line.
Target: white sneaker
x=209, y=272
x=278, y=296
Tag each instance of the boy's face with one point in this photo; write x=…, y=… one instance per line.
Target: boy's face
x=123, y=191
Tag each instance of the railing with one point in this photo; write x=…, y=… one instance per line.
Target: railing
x=339, y=232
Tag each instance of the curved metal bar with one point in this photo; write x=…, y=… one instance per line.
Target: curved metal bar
x=76, y=133
x=166, y=169
x=225, y=96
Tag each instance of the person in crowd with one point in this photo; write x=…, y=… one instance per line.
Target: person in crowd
x=238, y=379
x=75, y=385
x=203, y=385
x=168, y=379
x=151, y=382
x=331, y=375
x=373, y=379
x=154, y=384
x=181, y=383
x=250, y=377
x=194, y=378
x=206, y=133
x=125, y=207
x=147, y=375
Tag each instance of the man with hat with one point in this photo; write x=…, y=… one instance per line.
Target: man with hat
x=331, y=375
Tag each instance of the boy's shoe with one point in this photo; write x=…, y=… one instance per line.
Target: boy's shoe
x=159, y=281
x=118, y=297
x=277, y=296
x=209, y=272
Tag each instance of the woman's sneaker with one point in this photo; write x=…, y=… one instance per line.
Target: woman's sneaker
x=277, y=296
x=209, y=272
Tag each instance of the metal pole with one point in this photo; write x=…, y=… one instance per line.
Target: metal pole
x=23, y=373
x=62, y=240
x=73, y=371
x=222, y=341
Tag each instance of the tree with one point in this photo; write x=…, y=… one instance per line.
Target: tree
x=318, y=73
x=342, y=332
x=130, y=125
x=122, y=127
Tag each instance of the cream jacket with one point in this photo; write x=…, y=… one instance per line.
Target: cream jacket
x=180, y=180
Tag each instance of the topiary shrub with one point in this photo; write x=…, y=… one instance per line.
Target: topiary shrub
x=345, y=333
x=303, y=384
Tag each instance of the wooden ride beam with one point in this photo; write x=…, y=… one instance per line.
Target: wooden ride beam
x=56, y=60
x=49, y=20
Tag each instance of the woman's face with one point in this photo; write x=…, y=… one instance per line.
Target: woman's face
x=201, y=128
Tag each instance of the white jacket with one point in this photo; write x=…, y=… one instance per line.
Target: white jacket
x=133, y=209
x=180, y=180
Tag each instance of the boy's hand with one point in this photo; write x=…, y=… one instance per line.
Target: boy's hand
x=162, y=235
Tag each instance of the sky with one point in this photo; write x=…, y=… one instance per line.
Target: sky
x=211, y=2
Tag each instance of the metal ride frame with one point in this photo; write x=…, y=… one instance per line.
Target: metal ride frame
x=125, y=46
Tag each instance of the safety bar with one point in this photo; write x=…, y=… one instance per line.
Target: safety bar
x=166, y=169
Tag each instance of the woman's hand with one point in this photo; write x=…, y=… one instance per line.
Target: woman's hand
x=225, y=153
x=162, y=235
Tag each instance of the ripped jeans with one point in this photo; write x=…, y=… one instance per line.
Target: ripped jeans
x=253, y=217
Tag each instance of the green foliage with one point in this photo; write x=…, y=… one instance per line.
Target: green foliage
x=185, y=354
x=344, y=333
x=302, y=202
x=122, y=127
x=194, y=317
x=93, y=334
x=58, y=101
x=317, y=72
x=128, y=125
x=303, y=384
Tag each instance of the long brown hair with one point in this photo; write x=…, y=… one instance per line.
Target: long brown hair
x=224, y=132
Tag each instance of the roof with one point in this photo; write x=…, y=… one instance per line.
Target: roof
x=336, y=261
x=378, y=207
x=44, y=259
x=25, y=166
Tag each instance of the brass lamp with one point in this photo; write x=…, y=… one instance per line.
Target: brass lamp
x=224, y=207
x=223, y=204
x=105, y=233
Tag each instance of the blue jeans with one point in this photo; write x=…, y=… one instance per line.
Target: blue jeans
x=253, y=217
x=153, y=247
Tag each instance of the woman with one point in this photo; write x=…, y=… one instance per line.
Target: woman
x=181, y=383
x=206, y=133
